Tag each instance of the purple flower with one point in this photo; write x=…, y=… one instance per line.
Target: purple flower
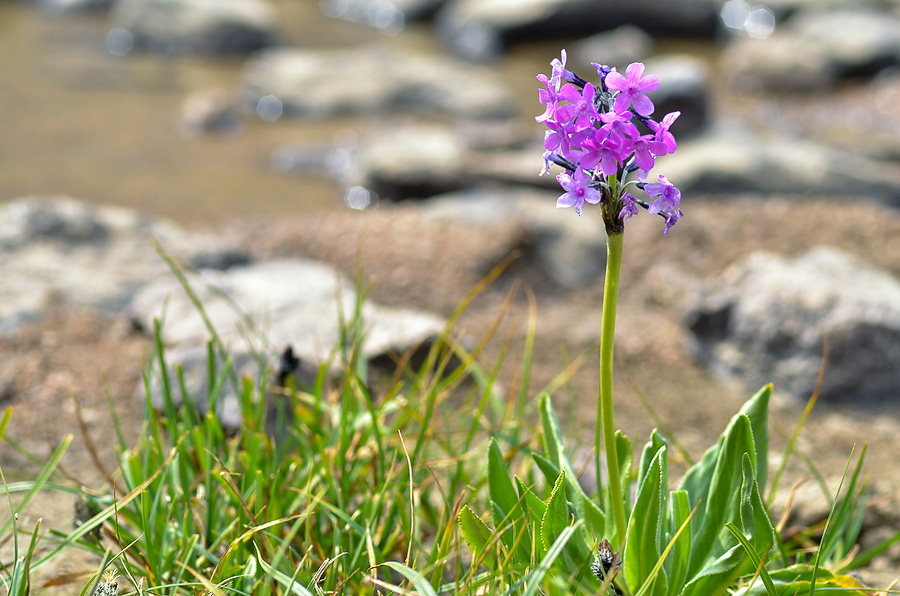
x=580, y=108
x=661, y=129
x=602, y=70
x=559, y=72
x=667, y=201
x=632, y=88
x=606, y=152
x=578, y=190
x=646, y=148
x=629, y=208
x=548, y=97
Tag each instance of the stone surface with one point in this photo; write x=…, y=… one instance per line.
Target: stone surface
x=205, y=26
x=257, y=312
x=806, y=54
x=410, y=161
x=733, y=159
x=390, y=16
x=684, y=87
x=60, y=249
x=618, y=48
x=768, y=318
x=483, y=30
x=369, y=80
x=568, y=250
x=291, y=302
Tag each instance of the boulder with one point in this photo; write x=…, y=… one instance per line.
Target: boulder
x=562, y=248
x=768, y=319
x=372, y=79
x=58, y=248
x=805, y=54
x=202, y=26
x=410, y=161
x=386, y=15
x=483, y=30
x=257, y=312
x=734, y=159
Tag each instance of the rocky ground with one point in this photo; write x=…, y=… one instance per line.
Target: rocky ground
x=81, y=355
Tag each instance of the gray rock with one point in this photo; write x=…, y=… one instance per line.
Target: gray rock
x=75, y=6
x=479, y=30
x=410, y=161
x=386, y=15
x=204, y=26
x=731, y=159
x=259, y=309
x=768, y=318
x=563, y=248
x=816, y=48
x=618, y=48
x=370, y=80
x=208, y=111
x=60, y=248
x=684, y=87
x=279, y=303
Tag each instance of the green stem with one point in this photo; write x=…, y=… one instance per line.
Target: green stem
x=605, y=425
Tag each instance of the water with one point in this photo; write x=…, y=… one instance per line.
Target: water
x=81, y=122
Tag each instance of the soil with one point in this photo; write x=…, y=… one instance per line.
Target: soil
x=93, y=359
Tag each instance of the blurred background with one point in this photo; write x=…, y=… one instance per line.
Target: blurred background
x=205, y=110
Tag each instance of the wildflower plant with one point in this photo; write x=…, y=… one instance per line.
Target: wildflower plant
x=636, y=536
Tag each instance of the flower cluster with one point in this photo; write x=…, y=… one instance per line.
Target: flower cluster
x=600, y=135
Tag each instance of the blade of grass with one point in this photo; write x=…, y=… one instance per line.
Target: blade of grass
x=758, y=563
x=825, y=536
x=810, y=404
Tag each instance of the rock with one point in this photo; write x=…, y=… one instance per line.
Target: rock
x=768, y=318
x=269, y=306
x=805, y=54
x=60, y=248
x=410, y=161
x=684, y=87
x=731, y=159
x=566, y=250
x=208, y=111
x=75, y=6
x=483, y=30
x=370, y=80
x=387, y=15
x=291, y=302
x=203, y=26
x=618, y=48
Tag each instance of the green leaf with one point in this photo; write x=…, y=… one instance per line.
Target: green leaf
x=555, y=461
x=645, y=526
x=478, y=536
x=756, y=525
x=500, y=487
x=625, y=455
x=536, y=507
x=556, y=516
x=507, y=509
x=535, y=577
x=718, y=485
x=679, y=558
x=698, y=479
x=797, y=579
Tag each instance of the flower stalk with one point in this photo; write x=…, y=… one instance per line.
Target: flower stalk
x=606, y=427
